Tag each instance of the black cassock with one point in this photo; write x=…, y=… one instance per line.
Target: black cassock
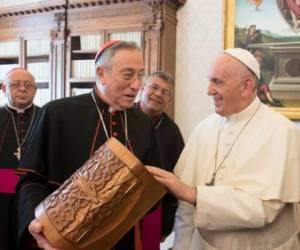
x=24, y=123
x=68, y=132
x=171, y=143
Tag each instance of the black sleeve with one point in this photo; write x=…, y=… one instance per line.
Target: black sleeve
x=31, y=191
x=155, y=156
x=32, y=187
x=173, y=149
x=37, y=147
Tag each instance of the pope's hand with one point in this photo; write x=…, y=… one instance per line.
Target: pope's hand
x=35, y=228
x=174, y=185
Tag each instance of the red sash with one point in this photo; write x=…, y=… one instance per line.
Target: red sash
x=8, y=180
x=151, y=229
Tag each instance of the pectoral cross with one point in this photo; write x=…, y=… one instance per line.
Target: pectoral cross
x=212, y=181
x=18, y=153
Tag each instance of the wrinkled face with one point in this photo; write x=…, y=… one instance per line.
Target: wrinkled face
x=226, y=85
x=156, y=95
x=122, y=79
x=20, y=88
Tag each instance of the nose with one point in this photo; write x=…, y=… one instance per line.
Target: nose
x=136, y=83
x=159, y=92
x=22, y=87
x=210, y=89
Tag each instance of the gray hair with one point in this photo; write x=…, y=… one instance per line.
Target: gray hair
x=6, y=77
x=104, y=59
x=165, y=76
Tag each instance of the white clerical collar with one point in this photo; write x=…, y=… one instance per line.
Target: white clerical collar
x=244, y=114
x=19, y=110
x=99, y=94
x=112, y=109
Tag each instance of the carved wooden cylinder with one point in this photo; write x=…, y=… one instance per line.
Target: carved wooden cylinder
x=100, y=202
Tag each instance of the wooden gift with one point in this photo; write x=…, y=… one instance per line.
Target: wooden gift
x=100, y=202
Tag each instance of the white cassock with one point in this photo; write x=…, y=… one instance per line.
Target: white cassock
x=252, y=205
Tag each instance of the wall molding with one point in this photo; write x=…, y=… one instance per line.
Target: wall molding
x=57, y=5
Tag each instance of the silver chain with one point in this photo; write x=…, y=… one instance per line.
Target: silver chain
x=20, y=144
x=216, y=168
x=103, y=123
x=160, y=121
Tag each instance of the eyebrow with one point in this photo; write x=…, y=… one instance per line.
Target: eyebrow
x=215, y=79
x=19, y=81
x=131, y=70
x=127, y=70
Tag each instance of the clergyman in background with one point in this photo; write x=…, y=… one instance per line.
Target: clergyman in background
x=156, y=95
x=17, y=119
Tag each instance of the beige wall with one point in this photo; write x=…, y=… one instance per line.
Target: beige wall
x=199, y=39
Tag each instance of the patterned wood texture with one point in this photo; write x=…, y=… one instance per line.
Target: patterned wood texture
x=99, y=202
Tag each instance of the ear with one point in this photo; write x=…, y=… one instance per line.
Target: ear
x=35, y=89
x=169, y=101
x=100, y=71
x=248, y=87
x=3, y=87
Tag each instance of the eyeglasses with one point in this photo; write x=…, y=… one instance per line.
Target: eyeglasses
x=131, y=75
x=156, y=88
x=18, y=84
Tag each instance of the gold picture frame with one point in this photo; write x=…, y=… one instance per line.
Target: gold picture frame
x=292, y=113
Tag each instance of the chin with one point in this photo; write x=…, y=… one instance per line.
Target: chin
x=154, y=107
x=24, y=103
x=219, y=112
x=127, y=105
x=156, y=110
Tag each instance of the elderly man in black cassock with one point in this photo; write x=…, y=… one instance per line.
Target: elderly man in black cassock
x=17, y=118
x=71, y=129
x=156, y=95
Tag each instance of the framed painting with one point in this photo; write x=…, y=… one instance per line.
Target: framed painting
x=270, y=29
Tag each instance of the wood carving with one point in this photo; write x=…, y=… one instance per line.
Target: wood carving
x=99, y=202
x=78, y=205
x=154, y=11
x=59, y=32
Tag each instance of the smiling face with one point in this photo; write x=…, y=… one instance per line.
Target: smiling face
x=156, y=95
x=231, y=85
x=19, y=88
x=121, y=80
